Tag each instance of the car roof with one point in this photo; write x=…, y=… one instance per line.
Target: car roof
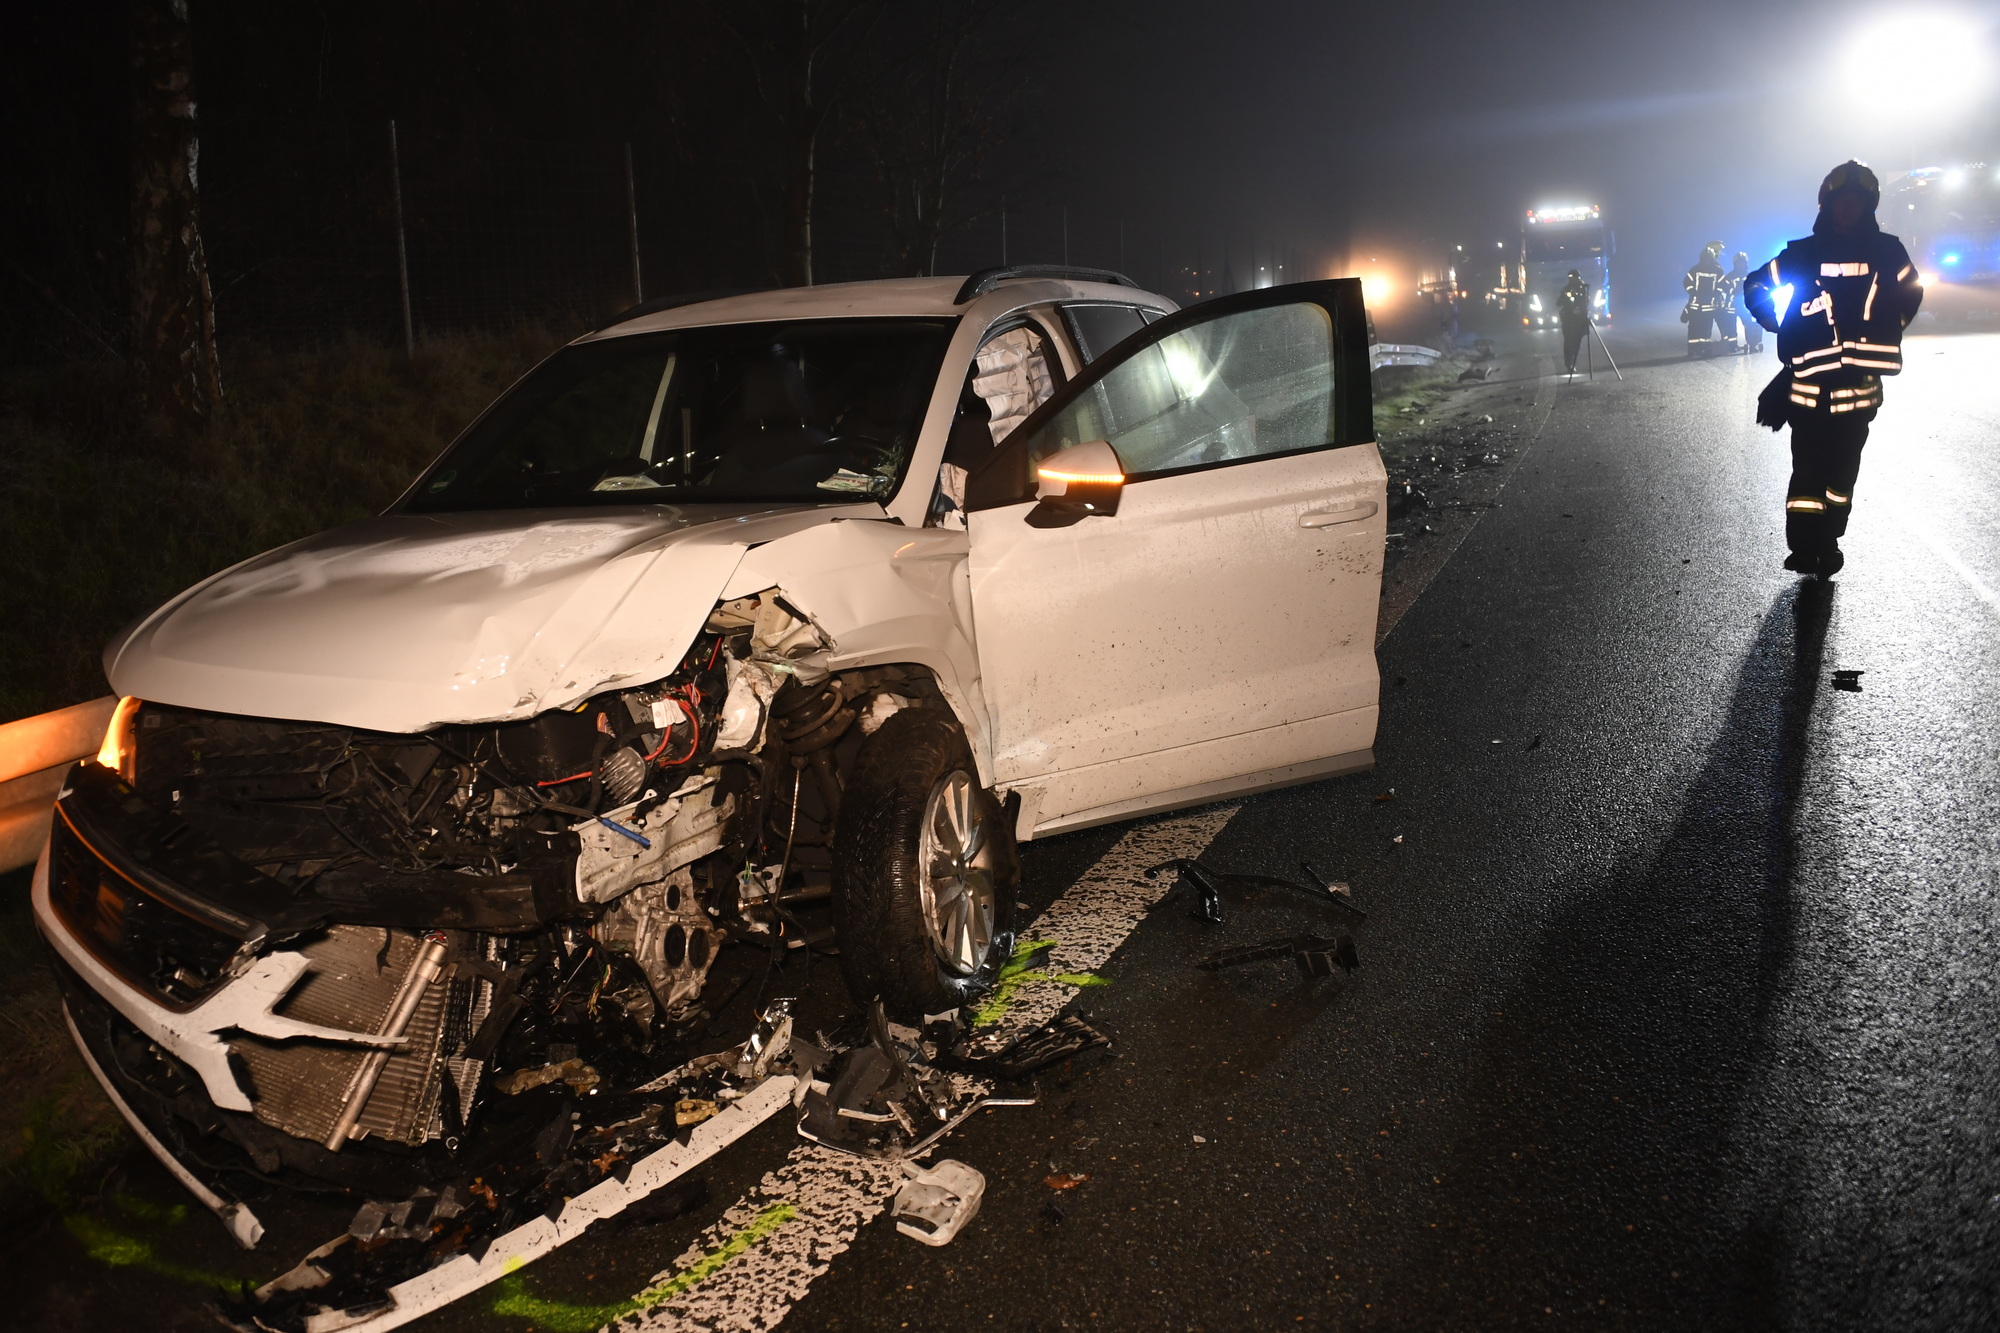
x=886, y=297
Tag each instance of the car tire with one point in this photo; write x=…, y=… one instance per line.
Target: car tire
x=925, y=871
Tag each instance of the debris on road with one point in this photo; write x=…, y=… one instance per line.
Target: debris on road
x=1009, y=1056
x=892, y=1098
x=1065, y=1180
x=1388, y=795
x=1848, y=680
x=1207, y=885
x=934, y=1204
x=1315, y=955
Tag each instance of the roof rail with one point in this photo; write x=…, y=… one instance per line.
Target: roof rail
x=659, y=303
x=987, y=279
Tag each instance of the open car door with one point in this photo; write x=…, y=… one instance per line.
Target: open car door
x=1176, y=563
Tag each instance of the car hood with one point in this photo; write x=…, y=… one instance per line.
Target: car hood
x=409, y=621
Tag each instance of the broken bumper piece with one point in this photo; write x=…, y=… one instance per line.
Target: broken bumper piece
x=934, y=1205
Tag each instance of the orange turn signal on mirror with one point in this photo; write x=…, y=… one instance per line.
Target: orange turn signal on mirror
x=116, y=753
x=1085, y=478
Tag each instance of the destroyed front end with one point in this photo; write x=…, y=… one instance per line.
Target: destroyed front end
x=465, y=973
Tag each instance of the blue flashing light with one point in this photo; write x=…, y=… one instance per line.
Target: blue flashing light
x=1951, y=258
x=1781, y=301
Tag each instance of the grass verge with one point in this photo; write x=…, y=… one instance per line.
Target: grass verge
x=106, y=519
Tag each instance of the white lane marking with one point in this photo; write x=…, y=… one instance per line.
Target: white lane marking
x=833, y=1195
x=1950, y=559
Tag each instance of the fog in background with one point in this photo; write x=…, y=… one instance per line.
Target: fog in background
x=1412, y=126
x=1189, y=142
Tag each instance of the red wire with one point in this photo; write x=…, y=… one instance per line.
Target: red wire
x=694, y=721
x=666, y=738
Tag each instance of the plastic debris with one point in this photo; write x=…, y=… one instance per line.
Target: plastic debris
x=892, y=1098
x=1207, y=885
x=693, y=1110
x=934, y=1205
x=1065, y=1180
x=1848, y=680
x=1016, y=1056
x=1315, y=955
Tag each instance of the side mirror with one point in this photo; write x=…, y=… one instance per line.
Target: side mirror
x=1075, y=483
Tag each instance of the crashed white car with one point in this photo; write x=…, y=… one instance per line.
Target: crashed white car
x=777, y=620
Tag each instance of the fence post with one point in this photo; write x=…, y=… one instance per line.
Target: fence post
x=632, y=218
x=402, y=248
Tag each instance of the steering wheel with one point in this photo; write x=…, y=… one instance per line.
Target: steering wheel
x=865, y=450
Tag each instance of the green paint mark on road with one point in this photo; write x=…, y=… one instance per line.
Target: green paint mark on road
x=563, y=1317
x=1016, y=974
x=119, y=1250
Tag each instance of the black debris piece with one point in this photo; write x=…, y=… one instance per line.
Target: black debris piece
x=1473, y=374
x=1017, y=1057
x=1848, y=680
x=1315, y=955
x=1208, y=884
x=1406, y=497
x=893, y=1097
x=1535, y=744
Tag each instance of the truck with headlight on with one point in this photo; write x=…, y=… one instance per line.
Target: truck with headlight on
x=1554, y=241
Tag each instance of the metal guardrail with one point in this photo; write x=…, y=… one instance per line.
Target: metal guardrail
x=35, y=752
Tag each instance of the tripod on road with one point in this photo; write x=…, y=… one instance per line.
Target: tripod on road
x=1589, y=363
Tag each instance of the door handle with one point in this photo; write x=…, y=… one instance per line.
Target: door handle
x=1327, y=518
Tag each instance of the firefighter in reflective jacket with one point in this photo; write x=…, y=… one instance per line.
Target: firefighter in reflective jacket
x=1708, y=300
x=1839, y=301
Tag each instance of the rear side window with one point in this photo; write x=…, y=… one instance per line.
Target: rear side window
x=1099, y=328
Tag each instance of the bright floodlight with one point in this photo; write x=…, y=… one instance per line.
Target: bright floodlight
x=1375, y=289
x=1957, y=70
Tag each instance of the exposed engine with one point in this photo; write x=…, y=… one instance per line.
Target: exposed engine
x=488, y=915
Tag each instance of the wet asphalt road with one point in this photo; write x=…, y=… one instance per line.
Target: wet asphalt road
x=1678, y=1005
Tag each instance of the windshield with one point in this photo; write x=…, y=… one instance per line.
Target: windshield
x=1546, y=246
x=816, y=411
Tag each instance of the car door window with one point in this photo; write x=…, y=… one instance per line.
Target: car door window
x=1098, y=328
x=1245, y=385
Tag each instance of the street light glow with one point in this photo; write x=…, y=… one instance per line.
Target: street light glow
x=1957, y=70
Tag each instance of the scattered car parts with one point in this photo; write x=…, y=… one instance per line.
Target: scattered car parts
x=935, y=1204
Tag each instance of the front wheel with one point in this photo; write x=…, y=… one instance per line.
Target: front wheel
x=925, y=871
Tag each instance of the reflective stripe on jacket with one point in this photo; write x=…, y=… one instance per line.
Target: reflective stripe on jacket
x=1838, y=303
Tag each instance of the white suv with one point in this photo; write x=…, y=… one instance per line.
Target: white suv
x=770, y=618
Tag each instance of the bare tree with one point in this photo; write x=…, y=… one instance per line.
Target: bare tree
x=937, y=119
x=175, y=370
x=803, y=54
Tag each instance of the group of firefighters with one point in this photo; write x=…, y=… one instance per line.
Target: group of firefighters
x=1713, y=311
x=1838, y=302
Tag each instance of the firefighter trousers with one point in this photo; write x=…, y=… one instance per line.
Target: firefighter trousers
x=1826, y=458
x=1573, y=331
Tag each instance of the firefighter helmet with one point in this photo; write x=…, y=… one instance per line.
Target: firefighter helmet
x=1851, y=175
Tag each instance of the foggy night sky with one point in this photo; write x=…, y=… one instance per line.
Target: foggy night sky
x=1439, y=122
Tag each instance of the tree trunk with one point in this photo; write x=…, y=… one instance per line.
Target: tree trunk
x=175, y=371
x=799, y=197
